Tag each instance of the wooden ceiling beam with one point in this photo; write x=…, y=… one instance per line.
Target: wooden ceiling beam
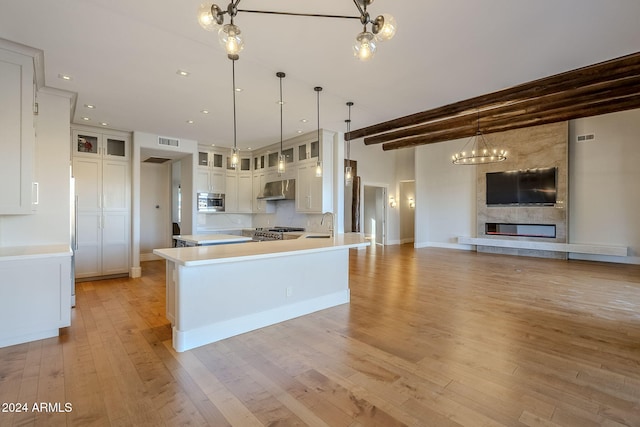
x=609, y=70
x=602, y=106
x=579, y=96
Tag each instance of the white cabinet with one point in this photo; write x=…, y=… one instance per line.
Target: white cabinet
x=18, y=193
x=239, y=192
x=97, y=145
x=308, y=189
x=103, y=215
x=210, y=176
x=210, y=181
x=36, y=294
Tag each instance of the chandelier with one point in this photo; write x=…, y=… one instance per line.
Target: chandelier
x=383, y=27
x=478, y=151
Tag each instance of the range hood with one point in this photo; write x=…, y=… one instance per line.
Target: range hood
x=279, y=190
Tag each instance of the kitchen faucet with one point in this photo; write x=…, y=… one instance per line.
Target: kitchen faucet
x=333, y=219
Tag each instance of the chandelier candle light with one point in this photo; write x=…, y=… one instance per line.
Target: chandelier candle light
x=281, y=159
x=383, y=27
x=479, y=151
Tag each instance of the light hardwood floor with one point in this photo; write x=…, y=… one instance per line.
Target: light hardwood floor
x=432, y=337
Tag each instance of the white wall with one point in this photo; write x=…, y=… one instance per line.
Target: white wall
x=445, y=197
x=604, y=190
x=378, y=168
x=155, y=208
x=51, y=222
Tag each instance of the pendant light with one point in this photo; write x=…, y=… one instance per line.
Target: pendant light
x=234, y=150
x=318, y=89
x=348, y=173
x=281, y=159
x=479, y=151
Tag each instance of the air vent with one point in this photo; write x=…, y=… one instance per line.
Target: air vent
x=156, y=160
x=587, y=137
x=170, y=142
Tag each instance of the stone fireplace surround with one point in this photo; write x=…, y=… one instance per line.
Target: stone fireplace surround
x=529, y=148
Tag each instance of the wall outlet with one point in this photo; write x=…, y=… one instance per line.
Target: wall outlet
x=289, y=291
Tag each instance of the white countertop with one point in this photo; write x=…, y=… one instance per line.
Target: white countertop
x=13, y=253
x=203, y=255
x=211, y=239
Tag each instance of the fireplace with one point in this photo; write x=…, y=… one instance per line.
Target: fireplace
x=523, y=230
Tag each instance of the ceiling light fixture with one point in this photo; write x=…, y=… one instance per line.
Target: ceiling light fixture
x=182, y=73
x=479, y=151
x=383, y=27
x=318, y=89
x=281, y=159
x=234, y=151
x=90, y=106
x=348, y=173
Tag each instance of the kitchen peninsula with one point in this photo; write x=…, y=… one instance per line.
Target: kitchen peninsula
x=215, y=292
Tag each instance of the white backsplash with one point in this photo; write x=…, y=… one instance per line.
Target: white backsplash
x=287, y=216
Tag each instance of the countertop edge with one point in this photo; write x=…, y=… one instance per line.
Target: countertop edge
x=15, y=253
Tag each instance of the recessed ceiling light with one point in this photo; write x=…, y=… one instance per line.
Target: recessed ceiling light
x=238, y=89
x=213, y=145
x=104, y=124
x=249, y=148
x=299, y=130
x=86, y=119
x=205, y=111
x=90, y=106
x=64, y=76
x=304, y=120
x=190, y=122
x=182, y=73
x=280, y=102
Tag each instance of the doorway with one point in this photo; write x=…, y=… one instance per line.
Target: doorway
x=375, y=214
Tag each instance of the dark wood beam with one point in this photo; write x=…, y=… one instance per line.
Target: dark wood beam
x=537, y=118
x=580, y=96
x=609, y=70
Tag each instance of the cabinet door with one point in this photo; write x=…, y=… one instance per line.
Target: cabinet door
x=86, y=143
x=115, y=185
x=217, y=182
x=202, y=180
x=245, y=192
x=115, y=147
x=17, y=135
x=88, y=255
x=115, y=242
x=88, y=179
x=231, y=195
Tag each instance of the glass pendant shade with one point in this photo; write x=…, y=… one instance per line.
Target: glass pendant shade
x=388, y=29
x=348, y=176
x=318, y=169
x=235, y=158
x=206, y=19
x=230, y=39
x=365, y=46
x=281, y=164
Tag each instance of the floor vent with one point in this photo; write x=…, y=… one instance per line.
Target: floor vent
x=587, y=137
x=170, y=142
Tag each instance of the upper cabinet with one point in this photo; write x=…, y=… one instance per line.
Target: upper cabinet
x=18, y=192
x=98, y=145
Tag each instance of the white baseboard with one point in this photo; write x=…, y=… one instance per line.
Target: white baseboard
x=419, y=245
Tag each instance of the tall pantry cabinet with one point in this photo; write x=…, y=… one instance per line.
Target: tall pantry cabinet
x=102, y=170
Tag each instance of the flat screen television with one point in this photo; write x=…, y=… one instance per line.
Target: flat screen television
x=522, y=187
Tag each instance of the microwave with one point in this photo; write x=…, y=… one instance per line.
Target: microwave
x=210, y=202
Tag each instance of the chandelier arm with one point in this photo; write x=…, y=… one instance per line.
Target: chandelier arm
x=312, y=15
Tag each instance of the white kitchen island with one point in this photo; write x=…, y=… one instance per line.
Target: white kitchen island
x=216, y=292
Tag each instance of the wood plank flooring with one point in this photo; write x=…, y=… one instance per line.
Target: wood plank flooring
x=432, y=337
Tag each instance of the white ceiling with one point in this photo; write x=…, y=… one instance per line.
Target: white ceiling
x=123, y=56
